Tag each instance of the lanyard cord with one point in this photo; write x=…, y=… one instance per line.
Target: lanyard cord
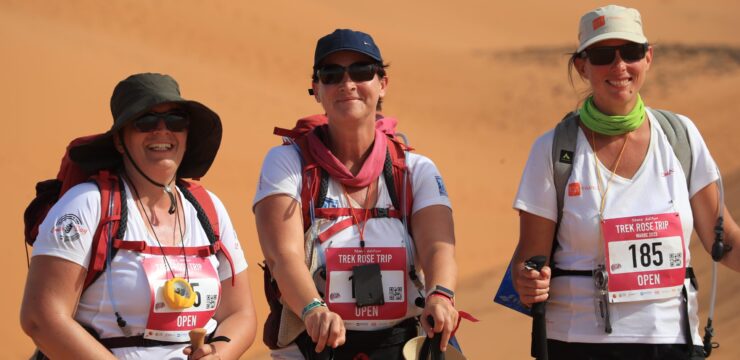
x=174, y=236
x=360, y=228
x=598, y=172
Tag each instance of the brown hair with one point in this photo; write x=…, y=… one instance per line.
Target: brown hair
x=571, y=66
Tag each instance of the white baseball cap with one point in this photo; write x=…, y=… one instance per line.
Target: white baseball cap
x=610, y=22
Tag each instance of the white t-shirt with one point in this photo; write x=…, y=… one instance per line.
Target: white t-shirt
x=281, y=174
x=67, y=233
x=658, y=187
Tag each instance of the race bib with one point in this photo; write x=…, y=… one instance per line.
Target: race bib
x=168, y=324
x=339, y=298
x=645, y=257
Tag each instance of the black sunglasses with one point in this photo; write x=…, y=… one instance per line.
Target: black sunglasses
x=358, y=72
x=604, y=55
x=175, y=121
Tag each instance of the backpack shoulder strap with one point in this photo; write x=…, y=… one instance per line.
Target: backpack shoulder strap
x=678, y=136
x=112, y=225
x=208, y=218
x=206, y=210
x=563, y=149
x=396, y=176
x=314, y=181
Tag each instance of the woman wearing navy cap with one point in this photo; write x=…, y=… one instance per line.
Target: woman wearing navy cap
x=637, y=182
x=335, y=226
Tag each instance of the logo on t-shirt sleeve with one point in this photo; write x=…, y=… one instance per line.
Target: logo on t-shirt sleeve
x=68, y=228
x=441, y=186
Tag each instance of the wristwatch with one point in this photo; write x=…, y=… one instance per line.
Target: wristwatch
x=441, y=290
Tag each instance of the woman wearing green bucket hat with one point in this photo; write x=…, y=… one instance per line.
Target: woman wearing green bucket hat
x=177, y=264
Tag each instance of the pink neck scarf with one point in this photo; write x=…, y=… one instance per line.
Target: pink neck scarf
x=371, y=168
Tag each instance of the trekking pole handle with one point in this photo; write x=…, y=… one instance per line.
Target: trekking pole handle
x=539, y=330
x=434, y=351
x=197, y=338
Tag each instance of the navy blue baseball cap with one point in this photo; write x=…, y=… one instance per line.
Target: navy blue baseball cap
x=346, y=39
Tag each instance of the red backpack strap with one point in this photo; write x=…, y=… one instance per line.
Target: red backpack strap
x=203, y=199
x=109, y=225
x=311, y=174
x=397, y=151
x=208, y=217
x=312, y=177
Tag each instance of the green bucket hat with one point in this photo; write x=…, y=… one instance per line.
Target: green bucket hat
x=134, y=97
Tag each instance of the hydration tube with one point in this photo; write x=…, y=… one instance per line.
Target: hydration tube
x=108, y=272
x=719, y=249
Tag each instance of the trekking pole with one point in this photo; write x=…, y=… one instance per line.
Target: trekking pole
x=197, y=337
x=539, y=329
x=430, y=349
x=719, y=250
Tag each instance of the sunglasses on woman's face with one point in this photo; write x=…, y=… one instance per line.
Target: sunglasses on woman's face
x=175, y=121
x=605, y=55
x=358, y=72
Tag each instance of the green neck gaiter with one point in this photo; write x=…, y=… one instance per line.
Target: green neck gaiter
x=612, y=125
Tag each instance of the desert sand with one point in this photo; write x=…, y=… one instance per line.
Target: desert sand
x=472, y=82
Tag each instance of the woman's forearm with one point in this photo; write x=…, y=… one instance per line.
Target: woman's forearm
x=52, y=290
x=61, y=337
x=241, y=336
x=295, y=282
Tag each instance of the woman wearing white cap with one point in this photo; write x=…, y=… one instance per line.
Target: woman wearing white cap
x=354, y=192
x=619, y=282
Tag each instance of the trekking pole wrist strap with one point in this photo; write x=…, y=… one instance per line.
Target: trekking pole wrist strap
x=218, y=338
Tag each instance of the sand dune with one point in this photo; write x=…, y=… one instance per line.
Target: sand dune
x=472, y=82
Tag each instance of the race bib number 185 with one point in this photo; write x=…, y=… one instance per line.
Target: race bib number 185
x=645, y=257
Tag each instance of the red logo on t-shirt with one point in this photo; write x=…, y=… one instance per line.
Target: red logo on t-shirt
x=599, y=22
x=574, y=189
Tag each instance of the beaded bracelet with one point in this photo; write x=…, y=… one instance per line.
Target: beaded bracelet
x=315, y=302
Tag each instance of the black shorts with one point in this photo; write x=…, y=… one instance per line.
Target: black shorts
x=589, y=351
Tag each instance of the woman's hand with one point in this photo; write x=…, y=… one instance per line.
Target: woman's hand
x=536, y=235
x=325, y=328
x=705, y=210
x=205, y=352
x=533, y=286
x=445, y=318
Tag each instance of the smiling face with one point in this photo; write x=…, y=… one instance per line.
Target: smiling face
x=350, y=99
x=615, y=86
x=159, y=152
